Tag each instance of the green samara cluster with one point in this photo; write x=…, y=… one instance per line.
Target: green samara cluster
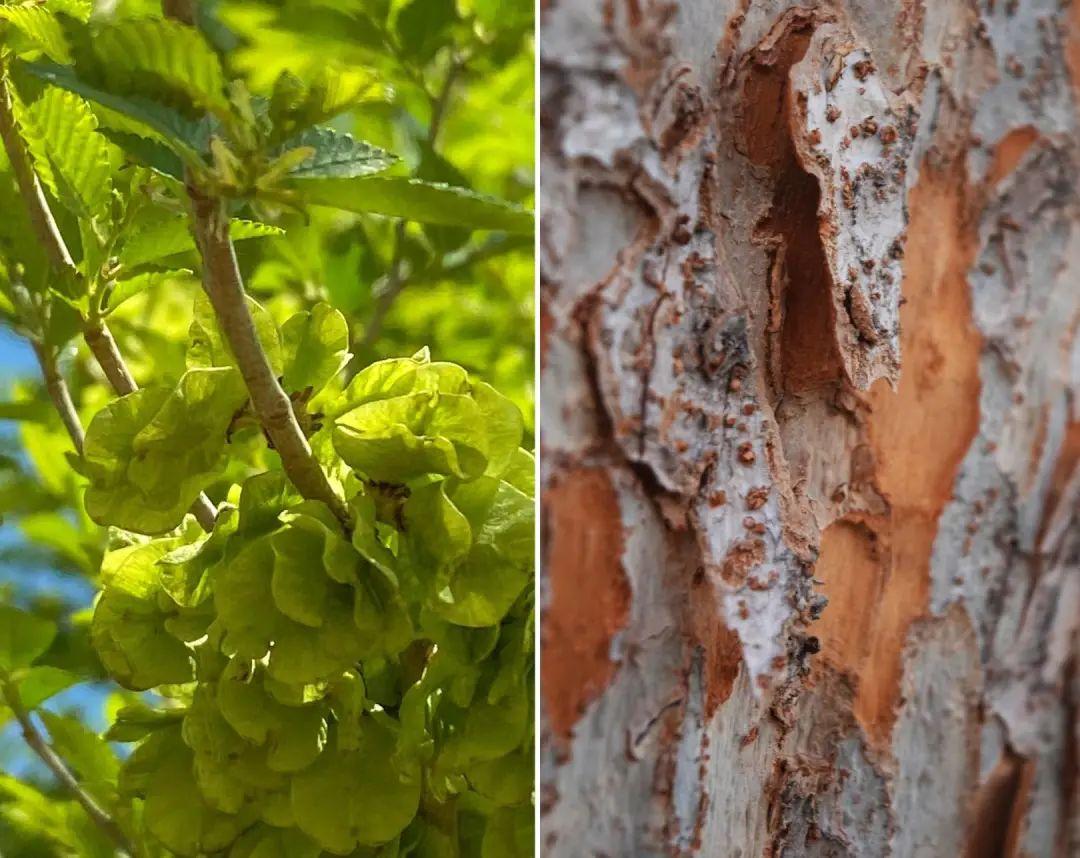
x=359, y=688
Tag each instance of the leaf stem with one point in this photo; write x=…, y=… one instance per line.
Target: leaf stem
x=98, y=815
x=96, y=333
x=60, y=396
x=225, y=289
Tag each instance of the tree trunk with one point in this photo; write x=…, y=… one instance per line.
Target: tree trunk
x=810, y=279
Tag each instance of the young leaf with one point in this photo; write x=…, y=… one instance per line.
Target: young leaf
x=336, y=155
x=85, y=751
x=40, y=27
x=266, y=841
x=244, y=703
x=297, y=104
x=38, y=684
x=138, y=56
x=417, y=200
x=244, y=601
x=129, y=287
x=80, y=161
x=481, y=589
x=143, y=116
x=169, y=235
x=23, y=637
x=422, y=25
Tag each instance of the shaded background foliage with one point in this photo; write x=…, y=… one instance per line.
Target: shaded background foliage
x=451, y=91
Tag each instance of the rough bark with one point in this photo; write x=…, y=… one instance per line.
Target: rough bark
x=810, y=279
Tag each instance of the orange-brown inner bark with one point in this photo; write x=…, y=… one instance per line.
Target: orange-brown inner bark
x=919, y=434
x=589, y=596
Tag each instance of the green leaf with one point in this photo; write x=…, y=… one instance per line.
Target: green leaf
x=34, y=811
x=23, y=637
x=41, y=29
x=149, y=454
x=508, y=524
x=80, y=10
x=185, y=572
x=422, y=26
x=56, y=531
x=336, y=155
x=262, y=499
x=80, y=161
x=170, y=235
x=135, y=56
x=380, y=614
x=140, y=147
x=133, y=567
x=491, y=730
x=521, y=472
x=224, y=764
x=140, y=116
x=505, y=780
x=351, y=798
x=504, y=426
x=417, y=200
x=139, y=768
x=297, y=104
x=129, y=287
x=86, y=752
x=38, y=684
x=32, y=410
x=365, y=538
x=387, y=379
x=315, y=346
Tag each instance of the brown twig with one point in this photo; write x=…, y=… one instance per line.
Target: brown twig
x=98, y=815
x=225, y=289
x=107, y=354
x=60, y=396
